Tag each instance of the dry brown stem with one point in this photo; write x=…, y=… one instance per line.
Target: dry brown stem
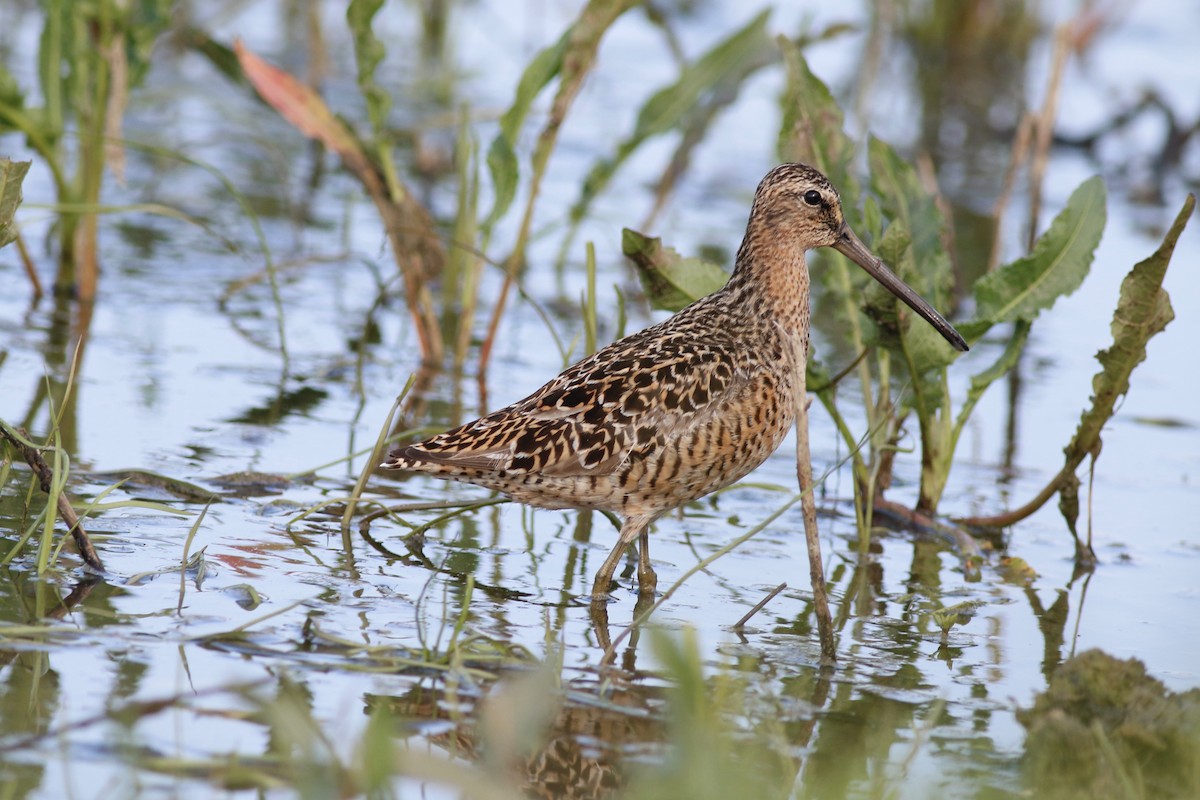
x=45, y=476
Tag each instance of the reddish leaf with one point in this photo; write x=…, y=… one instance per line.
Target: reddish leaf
x=300, y=105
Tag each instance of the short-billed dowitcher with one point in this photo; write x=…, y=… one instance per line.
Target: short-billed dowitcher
x=682, y=408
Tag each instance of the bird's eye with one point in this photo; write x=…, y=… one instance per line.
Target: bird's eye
x=812, y=197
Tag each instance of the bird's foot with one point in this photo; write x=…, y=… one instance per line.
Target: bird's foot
x=602, y=593
x=647, y=584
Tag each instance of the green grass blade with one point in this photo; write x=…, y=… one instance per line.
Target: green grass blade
x=368, y=53
x=588, y=303
x=719, y=71
x=57, y=485
x=372, y=461
x=183, y=561
x=502, y=155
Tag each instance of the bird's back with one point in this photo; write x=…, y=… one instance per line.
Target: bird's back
x=657, y=419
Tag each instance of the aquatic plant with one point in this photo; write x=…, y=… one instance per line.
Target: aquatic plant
x=91, y=54
x=903, y=368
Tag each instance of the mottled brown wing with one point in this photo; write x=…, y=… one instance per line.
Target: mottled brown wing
x=604, y=410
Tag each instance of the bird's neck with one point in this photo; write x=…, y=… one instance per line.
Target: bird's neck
x=770, y=279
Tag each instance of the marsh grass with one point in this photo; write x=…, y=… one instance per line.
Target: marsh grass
x=894, y=207
x=52, y=478
x=497, y=711
x=92, y=54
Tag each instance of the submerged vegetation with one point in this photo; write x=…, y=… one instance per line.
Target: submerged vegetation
x=455, y=695
x=1104, y=727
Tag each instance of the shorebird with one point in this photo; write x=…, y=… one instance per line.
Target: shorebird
x=681, y=408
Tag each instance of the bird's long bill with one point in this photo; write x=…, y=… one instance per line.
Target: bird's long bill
x=852, y=248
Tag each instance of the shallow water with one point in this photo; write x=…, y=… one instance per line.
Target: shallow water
x=173, y=383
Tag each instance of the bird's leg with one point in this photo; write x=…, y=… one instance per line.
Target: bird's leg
x=647, y=579
x=631, y=528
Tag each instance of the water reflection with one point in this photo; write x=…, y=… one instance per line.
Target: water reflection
x=424, y=613
x=579, y=753
x=899, y=687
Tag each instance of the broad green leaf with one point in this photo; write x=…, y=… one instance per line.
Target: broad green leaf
x=671, y=281
x=502, y=154
x=713, y=78
x=924, y=355
x=926, y=265
x=895, y=249
x=871, y=220
x=926, y=348
x=368, y=53
x=1144, y=309
x=813, y=129
x=11, y=175
x=900, y=327
x=1056, y=266
x=901, y=196
x=912, y=245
